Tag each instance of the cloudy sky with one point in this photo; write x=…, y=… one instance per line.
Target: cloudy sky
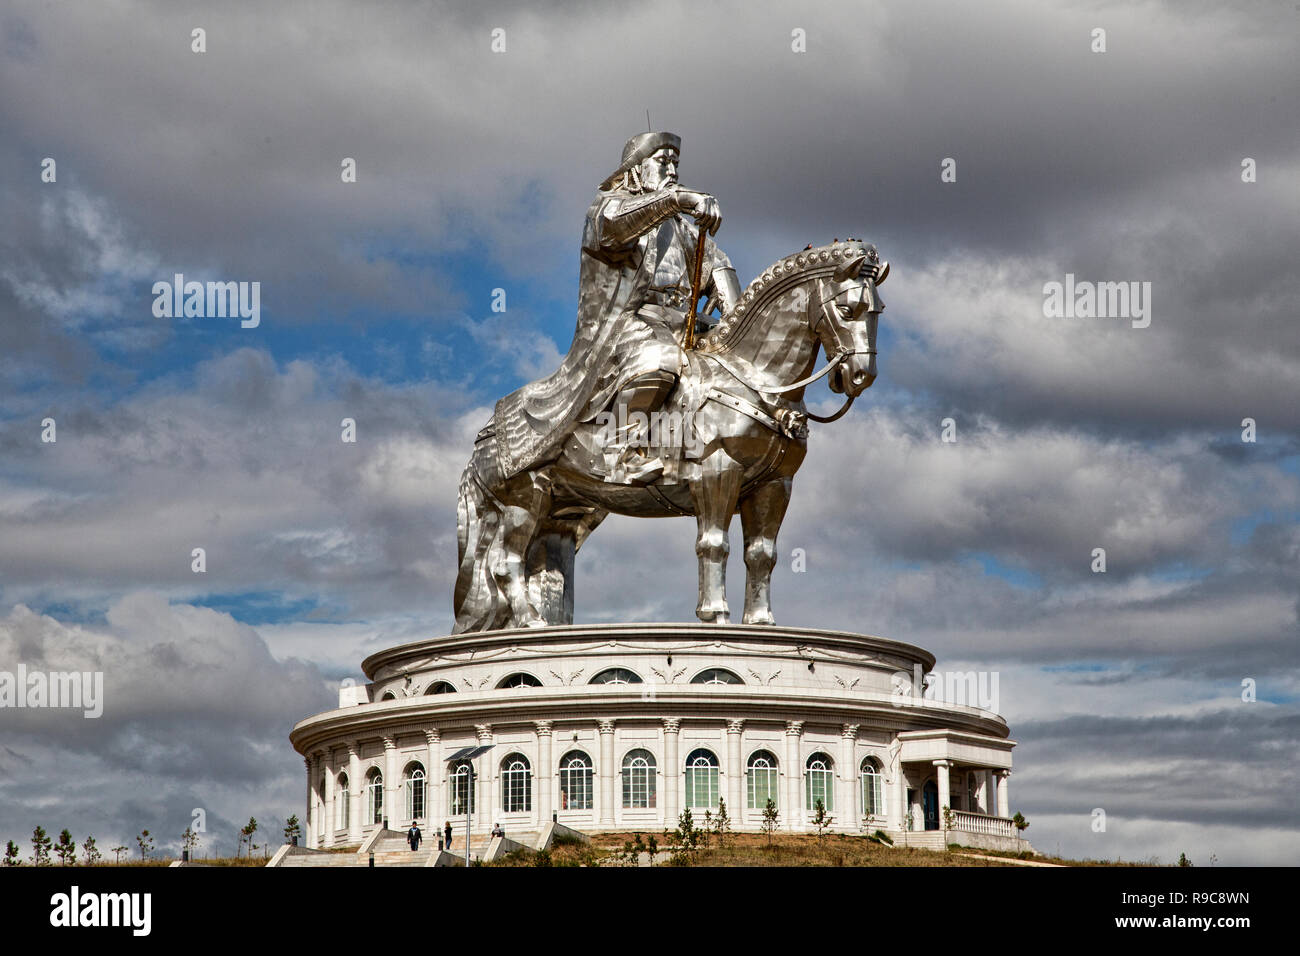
x=474, y=171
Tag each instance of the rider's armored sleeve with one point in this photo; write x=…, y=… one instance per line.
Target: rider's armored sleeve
x=633, y=217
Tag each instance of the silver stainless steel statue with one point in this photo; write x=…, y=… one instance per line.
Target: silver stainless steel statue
x=641, y=418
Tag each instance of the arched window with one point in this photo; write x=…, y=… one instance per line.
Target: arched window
x=716, y=675
x=375, y=796
x=516, y=784
x=460, y=795
x=415, y=792
x=820, y=782
x=638, y=779
x=873, y=805
x=702, y=779
x=388, y=695
x=615, y=675
x=575, y=781
x=440, y=687
x=519, y=680
x=762, y=776
x=342, y=801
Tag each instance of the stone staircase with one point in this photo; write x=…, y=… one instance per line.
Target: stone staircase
x=390, y=849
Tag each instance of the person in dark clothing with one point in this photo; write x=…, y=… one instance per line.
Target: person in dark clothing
x=414, y=836
x=446, y=832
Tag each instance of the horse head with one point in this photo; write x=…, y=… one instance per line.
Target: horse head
x=844, y=314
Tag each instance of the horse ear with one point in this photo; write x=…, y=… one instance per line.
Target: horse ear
x=882, y=273
x=851, y=269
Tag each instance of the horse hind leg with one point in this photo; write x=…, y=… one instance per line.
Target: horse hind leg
x=761, y=514
x=527, y=502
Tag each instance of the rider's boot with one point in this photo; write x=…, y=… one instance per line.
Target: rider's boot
x=645, y=394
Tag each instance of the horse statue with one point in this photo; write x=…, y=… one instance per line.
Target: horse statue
x=733, y=434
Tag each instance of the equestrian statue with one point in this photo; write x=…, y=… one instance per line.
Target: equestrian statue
x=656, y=412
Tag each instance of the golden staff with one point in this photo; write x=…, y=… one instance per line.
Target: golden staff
x=688, y=338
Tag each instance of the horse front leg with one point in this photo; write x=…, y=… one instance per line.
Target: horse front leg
x=714, y=496
x=761, y=514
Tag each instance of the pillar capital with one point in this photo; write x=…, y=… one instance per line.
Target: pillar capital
x=849, y=731
x=1002, y=773
x=544, y=727
x=793, y=728
x=607, y=726
x=432, y=735
x=354, y=748
x=735, y=725
x=672, y=725
x=483, y=731
x=945, y=764
x=390, y=743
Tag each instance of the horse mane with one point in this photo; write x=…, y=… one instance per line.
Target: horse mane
x=777, y=279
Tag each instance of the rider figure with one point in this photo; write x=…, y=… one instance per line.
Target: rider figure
x=641, y=222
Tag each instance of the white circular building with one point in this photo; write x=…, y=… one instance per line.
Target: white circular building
x=622, y=726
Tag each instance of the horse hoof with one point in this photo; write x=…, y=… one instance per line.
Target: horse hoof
x=764, y=618
x=714, y=615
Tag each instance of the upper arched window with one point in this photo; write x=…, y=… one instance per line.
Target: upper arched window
x=414, y=786
x=702, y=779
x=440, y=687
x=873, y=804
x=761, y=774
x=638, y=779
x=616, y=675
x=388, y=695
x=819, y=779
x=716, y=675
x=519, y=680
x=575, y=781
x=516, y=784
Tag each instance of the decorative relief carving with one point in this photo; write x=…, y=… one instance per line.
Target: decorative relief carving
x=668, y=678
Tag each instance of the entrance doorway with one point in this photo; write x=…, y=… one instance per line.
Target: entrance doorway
x=930, y=804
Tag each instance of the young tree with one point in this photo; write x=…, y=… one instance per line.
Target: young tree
x=292, y=828
x=821, y=819
x=40, y=847
x=145, y=842
x=11, y=854
x=189, y=840
x=90, y=854
x=66, y=848
x=247, y=833
x=722, y=823
x=117, y=852
x=949, y=818
x=1021, y=823
x=770, y=815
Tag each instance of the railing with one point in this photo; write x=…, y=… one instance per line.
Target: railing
x=980, y=823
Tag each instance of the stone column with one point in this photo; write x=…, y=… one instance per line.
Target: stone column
x=896, y=810
x=327, y=825
x=545, y=775
x=308, y=832
x=433, y=780
x=735, y=772
x=393, y=807
x=355, y=791
x=848, y=816
x=484, y=805
x=671, y=772
x=1004, y=798
x=606, y=773
x=944, y=783
x=793, y=809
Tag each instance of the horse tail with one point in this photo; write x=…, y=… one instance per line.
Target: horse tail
x=478, y=602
